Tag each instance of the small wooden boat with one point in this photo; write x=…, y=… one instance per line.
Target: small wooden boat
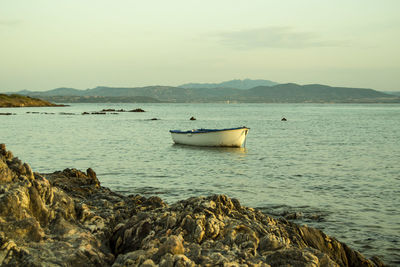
x=231, y=137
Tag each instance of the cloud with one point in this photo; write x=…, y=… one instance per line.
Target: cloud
x=273, y=37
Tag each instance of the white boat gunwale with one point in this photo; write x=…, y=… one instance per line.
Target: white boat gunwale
x=202, y=130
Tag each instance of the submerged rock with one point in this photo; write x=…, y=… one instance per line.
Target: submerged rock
x=67, y=218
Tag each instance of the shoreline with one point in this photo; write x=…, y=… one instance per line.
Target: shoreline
x=67, y=217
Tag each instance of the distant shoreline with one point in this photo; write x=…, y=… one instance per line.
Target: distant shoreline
x=114, y=100
x=236, y=91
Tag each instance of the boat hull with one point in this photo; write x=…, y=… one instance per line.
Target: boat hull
x=233, y=137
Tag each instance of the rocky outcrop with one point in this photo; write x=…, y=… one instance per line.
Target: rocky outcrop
x=14, y=100
x=137, y=110
x=67, y=218
x=217, y=230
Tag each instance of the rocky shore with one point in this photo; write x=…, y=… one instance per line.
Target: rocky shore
x=67, y=218
x=14, y=100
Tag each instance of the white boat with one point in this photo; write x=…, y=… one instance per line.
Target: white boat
x=231, y=137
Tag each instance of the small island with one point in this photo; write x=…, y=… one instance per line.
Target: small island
x=15, y=100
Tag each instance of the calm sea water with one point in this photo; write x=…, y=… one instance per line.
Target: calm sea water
x=335, y=166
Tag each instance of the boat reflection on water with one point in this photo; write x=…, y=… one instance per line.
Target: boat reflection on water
x=233, y=150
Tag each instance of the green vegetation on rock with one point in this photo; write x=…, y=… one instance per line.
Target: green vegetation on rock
x=14, y=100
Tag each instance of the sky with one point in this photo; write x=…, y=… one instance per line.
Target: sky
x=46, y=44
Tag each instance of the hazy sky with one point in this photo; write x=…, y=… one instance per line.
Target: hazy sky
x=45, y=44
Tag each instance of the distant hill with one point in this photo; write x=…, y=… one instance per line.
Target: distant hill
x=280, y=93
x=15, y=100
x=393, y=93
x=316, y=93
x=62, y=91
x=101, y=99
x=112, y=94
x=236, y=84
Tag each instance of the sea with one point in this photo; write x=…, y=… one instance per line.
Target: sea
x=335, y=167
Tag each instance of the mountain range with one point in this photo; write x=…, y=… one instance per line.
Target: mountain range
x=236, y=84
x=250, y=91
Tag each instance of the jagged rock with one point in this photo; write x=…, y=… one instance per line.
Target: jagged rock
x=217, y=230
x=75, y=182
x=44, y=224
x=173, y=245
x=91, y=174
x=67, y=218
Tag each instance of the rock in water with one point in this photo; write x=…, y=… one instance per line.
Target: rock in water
x=67, y=219
x=137, y=110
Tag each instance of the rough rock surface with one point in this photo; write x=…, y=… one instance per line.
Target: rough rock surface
x=67, y=219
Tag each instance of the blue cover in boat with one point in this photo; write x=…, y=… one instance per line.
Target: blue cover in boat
x=205, y=130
